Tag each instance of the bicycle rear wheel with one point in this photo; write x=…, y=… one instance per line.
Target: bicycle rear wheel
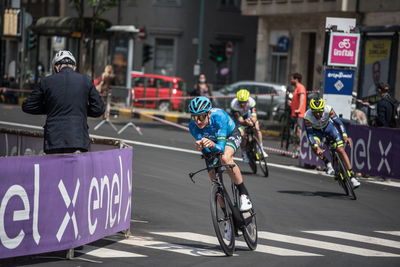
x=262, y=161
x=252, y=158
x=222, y=216
x=249, y=229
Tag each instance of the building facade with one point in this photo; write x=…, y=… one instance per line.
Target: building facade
x=299, y=27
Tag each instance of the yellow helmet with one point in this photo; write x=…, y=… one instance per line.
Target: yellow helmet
x=243, y=95
x=317, y=104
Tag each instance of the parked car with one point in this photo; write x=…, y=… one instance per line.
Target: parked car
x=263, y=103
x=153, y=86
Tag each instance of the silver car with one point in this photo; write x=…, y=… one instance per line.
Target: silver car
x=265, y=104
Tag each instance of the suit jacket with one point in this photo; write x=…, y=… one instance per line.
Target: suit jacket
x=67, y=98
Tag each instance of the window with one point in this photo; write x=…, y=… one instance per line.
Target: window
x=167, y=2
x=229, y=5
x=164, y=57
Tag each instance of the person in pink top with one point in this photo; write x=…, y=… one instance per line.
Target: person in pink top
x=298, y=104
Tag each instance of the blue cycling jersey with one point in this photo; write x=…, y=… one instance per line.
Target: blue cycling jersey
x=221, y=126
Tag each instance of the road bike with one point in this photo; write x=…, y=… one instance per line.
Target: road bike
x=342, y=174
x=255, y=153
x=224, y=205
x=289, y=132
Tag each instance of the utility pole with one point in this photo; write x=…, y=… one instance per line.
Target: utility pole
x=200, y=39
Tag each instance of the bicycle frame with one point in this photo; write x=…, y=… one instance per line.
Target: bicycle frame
x=219, y=169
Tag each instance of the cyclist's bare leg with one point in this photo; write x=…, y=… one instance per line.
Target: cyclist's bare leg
x=243, y=143
x=344, y=157
x=234, y=173
x=259, y=134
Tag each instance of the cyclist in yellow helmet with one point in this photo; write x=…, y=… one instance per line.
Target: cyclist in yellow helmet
x=244, y=112
x=321, y=121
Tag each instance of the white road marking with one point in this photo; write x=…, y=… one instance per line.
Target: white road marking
x=358, y=238
x=325, y=245
x=107, y=253
x=397, y=233
x=171, y=247
x=214, y=241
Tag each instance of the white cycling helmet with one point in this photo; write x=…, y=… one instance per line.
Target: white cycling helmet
x=65, y=57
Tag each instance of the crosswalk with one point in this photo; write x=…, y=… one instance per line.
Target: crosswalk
x=304, y=244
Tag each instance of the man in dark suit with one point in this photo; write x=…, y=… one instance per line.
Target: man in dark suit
x=67, y=98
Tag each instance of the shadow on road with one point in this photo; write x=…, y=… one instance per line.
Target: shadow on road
x=314, y=194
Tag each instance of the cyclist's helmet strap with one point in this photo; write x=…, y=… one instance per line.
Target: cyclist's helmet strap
x=200, y=105
x=317, y=104
x=243, y=95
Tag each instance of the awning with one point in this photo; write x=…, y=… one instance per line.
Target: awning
x=67, y=26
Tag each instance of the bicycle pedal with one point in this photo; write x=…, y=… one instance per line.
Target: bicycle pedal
x=246, y=214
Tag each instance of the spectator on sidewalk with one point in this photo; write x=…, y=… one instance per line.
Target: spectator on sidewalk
x=10, y=95
x=298, y=104
x=107, y=79
x=385, y=107
x=201, y=88
x=67, y=98
x=5, y=83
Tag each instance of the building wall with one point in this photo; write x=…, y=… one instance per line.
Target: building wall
x=301, y=17
x=181, y=22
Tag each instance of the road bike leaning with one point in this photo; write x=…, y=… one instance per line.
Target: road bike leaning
x=225, y=214
x=255, y=153
x=342, y=174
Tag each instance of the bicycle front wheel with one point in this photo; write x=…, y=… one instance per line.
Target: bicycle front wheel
x=249, y=229
x=221, y=215
x=345, y=180
x=262, y=161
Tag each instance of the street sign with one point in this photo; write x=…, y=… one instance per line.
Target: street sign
x=343, y=49
x=229, y=49
x=283, y=43
x=142, y=34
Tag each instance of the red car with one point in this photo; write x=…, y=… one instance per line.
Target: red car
x=166, y=98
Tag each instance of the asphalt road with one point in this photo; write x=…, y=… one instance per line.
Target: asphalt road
x=303, y=217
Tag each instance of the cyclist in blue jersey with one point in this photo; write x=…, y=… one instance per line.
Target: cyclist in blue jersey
x=320, y=121
x=214, y=130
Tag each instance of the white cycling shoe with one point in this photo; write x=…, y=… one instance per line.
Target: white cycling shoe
x=329, y=169
x=265, y=154
x=245, y=157
x=245, y=203
x=355, y=182
x=228, y=232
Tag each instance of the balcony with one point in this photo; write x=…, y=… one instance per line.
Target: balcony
x=282, y=7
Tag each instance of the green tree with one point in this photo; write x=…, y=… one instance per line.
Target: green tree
x=98, y=8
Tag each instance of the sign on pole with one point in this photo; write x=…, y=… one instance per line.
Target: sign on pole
x=343, y=49
x=338, y=88
x=142, y=34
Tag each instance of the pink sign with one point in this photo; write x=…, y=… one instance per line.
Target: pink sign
x=343, y=49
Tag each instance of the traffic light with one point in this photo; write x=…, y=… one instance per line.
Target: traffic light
x=147, y=53
x=217, y=52
x=30, y=40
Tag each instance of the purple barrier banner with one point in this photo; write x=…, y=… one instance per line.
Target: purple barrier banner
x=57, y=202
x=374, y=151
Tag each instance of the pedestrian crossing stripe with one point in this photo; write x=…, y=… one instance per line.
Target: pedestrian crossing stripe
x=325, y=245
x=210, y=249
x=101, y=252
x=389, y=232
x=359, y=238
x=214, y=241
x=171, y=247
